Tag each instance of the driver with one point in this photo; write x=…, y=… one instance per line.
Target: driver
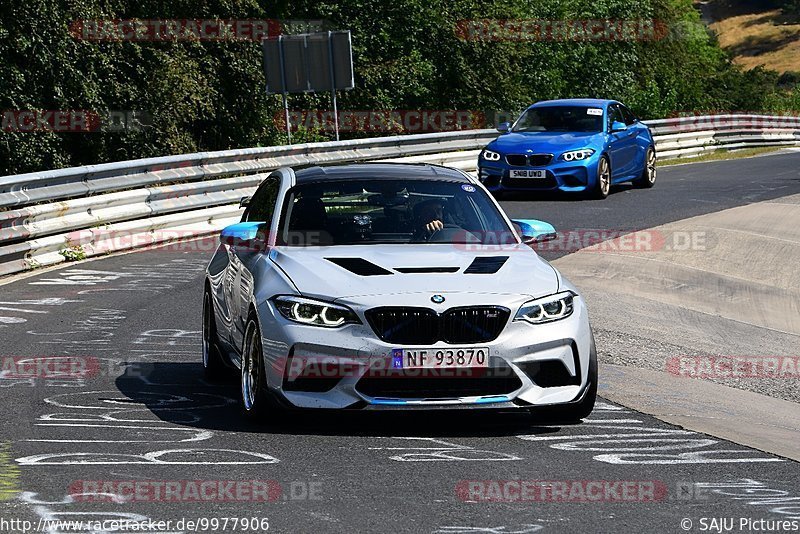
x=429, y=217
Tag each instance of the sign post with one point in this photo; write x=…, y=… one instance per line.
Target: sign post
x=309, y=63
x=333, y=86
x=284, y=94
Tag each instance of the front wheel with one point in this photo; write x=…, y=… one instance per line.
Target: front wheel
x=648, y=177
x=257, y=403
x=602, y=184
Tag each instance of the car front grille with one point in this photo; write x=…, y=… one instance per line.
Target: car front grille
x=421, y=326
x=533, y=160
x=539, y=160
x=518, y=160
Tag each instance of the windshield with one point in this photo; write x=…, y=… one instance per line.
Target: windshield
x=347, y=212
x=560, y=119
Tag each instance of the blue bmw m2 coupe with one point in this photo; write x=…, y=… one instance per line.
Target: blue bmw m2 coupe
x=574, y=145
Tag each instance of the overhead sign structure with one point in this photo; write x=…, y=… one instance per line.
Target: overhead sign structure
x=308, y=63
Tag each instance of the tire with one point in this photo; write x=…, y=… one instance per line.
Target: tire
x=257, y=403
x=648, y=177
x=602, y=185
x=213, y=366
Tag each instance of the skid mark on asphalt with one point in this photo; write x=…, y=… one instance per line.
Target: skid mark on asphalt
x=627, y=440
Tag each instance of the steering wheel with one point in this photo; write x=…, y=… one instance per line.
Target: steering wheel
x=444, y=234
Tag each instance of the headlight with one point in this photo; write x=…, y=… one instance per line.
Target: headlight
x=547, y=309
x=577, y=155
x=314, y=312
x=488, y=155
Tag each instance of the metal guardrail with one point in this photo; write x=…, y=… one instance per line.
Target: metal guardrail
x=52, y=216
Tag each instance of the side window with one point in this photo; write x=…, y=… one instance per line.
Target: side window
x=614, y=115
x=629, y=117
x=262, y=205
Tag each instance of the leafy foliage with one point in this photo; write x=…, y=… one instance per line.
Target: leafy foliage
x=407, y=55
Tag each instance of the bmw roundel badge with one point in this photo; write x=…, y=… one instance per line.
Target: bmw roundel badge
x=437, y=299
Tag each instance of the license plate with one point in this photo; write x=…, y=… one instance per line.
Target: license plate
x=440, y=358
x=539, y=174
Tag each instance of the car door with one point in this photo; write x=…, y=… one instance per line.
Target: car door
x=621, y=145
x=641, y=140
x=260, y=209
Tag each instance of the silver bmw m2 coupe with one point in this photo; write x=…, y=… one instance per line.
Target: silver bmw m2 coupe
x=392, y=286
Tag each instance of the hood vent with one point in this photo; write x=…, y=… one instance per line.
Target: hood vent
x=359, y=266
x=486, y=265
x=417, y=270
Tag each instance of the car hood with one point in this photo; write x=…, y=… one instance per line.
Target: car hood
x=343, y=271
x=544, y=142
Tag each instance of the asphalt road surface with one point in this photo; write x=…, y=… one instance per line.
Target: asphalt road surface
x=134, y=417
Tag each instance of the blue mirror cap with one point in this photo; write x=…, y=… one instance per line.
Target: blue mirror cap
x=617, y=126
x=534, y=230
x=245, y=235
x=504, y=127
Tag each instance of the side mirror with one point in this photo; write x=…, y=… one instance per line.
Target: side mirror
x=504, y=127
x=244, y=202
x=618, y=126
x=534, y=231
x=247, y=235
